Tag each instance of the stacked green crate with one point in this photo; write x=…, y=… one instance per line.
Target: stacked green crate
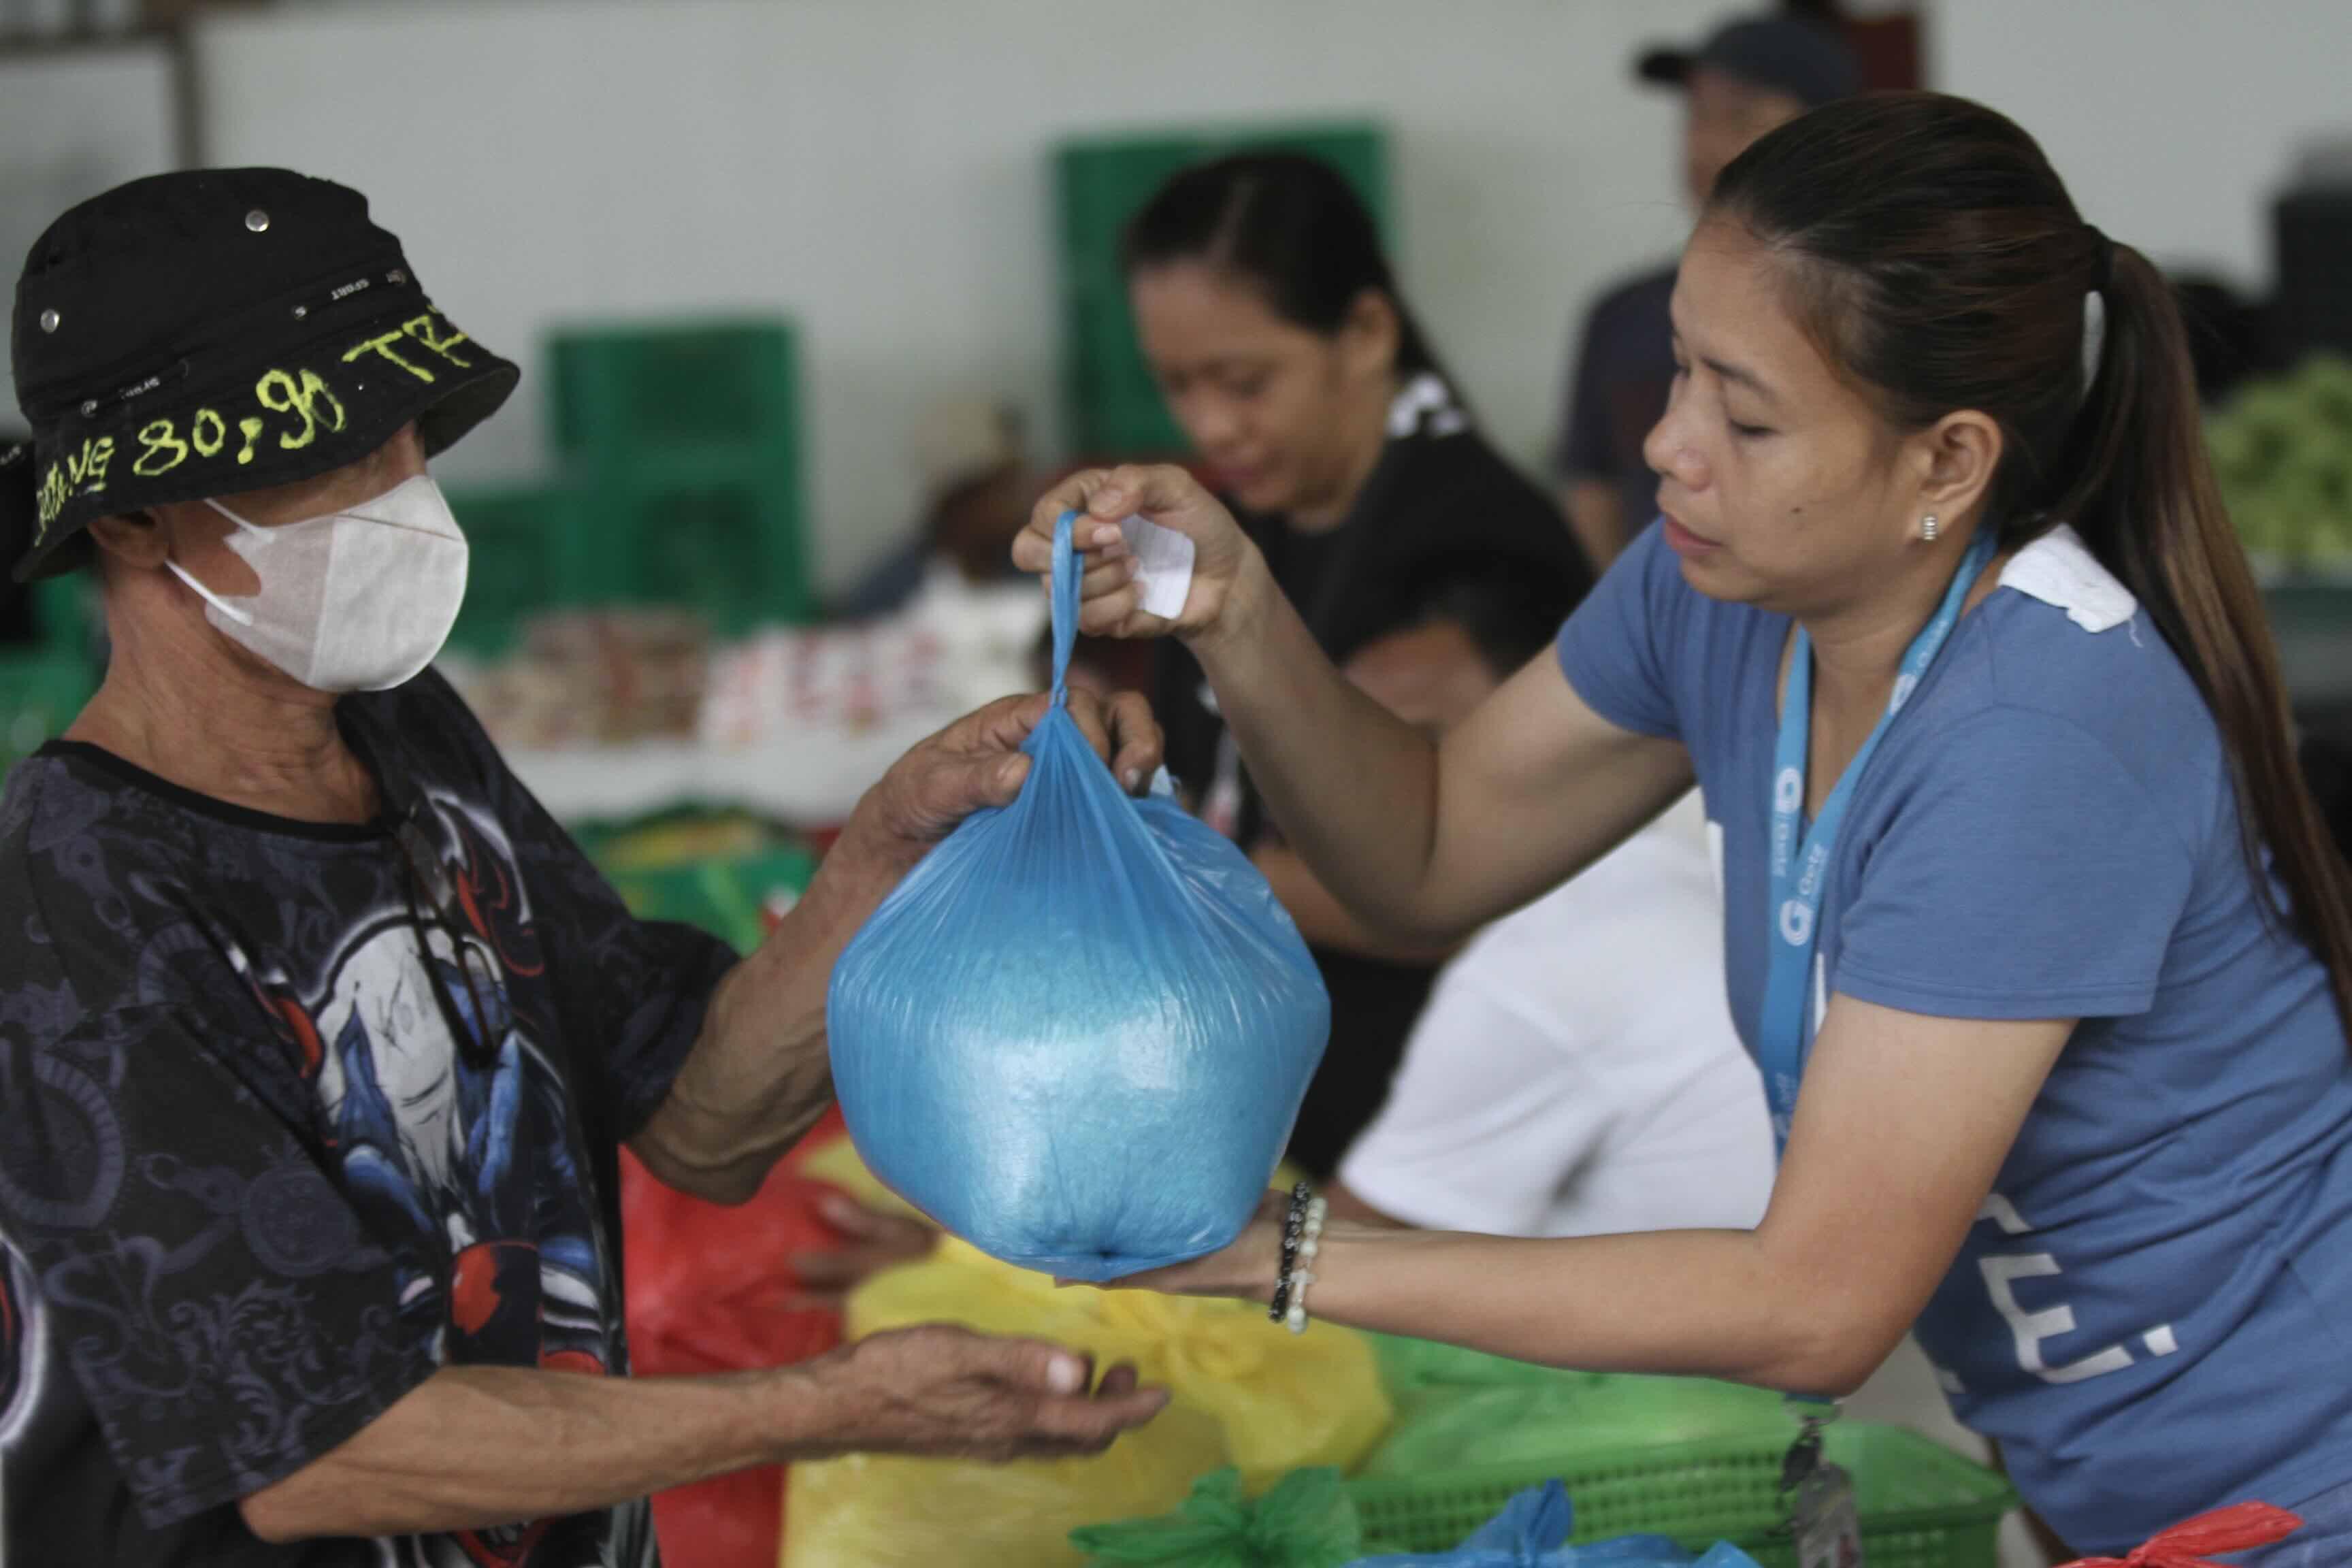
x=527, y=546
x=1112, y=405
x=681, y=445
x=44, y=683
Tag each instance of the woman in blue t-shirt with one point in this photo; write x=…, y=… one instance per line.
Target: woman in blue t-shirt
x=1944, y=618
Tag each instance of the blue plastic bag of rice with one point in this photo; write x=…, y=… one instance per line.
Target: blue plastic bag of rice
x=1078, y=1032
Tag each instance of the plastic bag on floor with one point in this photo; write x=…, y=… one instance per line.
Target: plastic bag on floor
x=1246, y=1393
x=2237, y=1528
x=1305, y=1520
x=710, y=1290
x=1282, y=1401
x=873, y=1510
x=1532, y=1532
x=1077, y=1035
x=1457, y=1407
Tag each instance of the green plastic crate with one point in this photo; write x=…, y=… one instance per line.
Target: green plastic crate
x=39, y=695
x=1113, y=406
x=65, y=612
x=718, y=533
x=1922, y=1505
x=529, y=549
x=682, y=444
x=45, y=683
x=620, y=389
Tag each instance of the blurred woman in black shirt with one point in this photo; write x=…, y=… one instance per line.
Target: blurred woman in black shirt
x=1272, y=323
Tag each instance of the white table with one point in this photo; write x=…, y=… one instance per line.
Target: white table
x=812, y=779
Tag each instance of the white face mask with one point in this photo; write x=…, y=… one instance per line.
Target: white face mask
x=358, y=600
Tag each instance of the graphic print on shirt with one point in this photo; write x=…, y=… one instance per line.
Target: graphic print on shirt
x=451, y=1133
x=24, y=1355
x=2002, y=1270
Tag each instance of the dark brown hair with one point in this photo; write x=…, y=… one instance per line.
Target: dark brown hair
x=1940, y=263
x=1287, y=224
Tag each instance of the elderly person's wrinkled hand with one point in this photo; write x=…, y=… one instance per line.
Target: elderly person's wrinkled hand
x=940, y=1390
x=977, y=763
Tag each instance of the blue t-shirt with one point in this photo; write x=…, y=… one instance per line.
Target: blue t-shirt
x=2153, y=1314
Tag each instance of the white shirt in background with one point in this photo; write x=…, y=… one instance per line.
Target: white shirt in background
x=1575, y=1072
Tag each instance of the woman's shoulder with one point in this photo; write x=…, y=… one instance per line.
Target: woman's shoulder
x=2066, y=639
x=2066, y=661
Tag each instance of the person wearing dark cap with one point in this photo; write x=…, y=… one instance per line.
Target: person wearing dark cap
x=1754, y=74
x=317, y=1037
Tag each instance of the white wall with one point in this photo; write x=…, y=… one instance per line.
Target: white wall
x=2174, y=121
x=877, y=168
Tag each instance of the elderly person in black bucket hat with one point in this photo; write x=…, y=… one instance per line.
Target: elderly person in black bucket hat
x=317, y=1036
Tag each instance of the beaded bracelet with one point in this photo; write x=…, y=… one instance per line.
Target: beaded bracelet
x=1308, y=1245
x=1294, y=1231
x=1302, y=1231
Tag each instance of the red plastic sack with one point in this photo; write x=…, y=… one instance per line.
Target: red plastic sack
x=2237, y=1528
x=710, y=1290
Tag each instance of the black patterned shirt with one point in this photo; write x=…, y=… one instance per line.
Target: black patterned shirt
x=291, y=1115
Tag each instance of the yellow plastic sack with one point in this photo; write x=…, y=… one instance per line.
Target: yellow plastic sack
x=1246, y=1393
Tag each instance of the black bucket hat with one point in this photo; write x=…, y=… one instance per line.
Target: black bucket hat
x=222, y=329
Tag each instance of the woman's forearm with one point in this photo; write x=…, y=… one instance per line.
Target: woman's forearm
x=1326, y=922
x=1425, y=845
x=1706, y=1304
x=1353, y=788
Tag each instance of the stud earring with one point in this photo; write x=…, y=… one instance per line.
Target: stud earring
x=1927, y=528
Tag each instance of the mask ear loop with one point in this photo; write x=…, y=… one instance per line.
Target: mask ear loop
x=242, y=617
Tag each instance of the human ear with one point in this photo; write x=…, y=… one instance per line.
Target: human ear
x=135, y=538
x=1958, y=458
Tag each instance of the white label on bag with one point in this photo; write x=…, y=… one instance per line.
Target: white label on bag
x=1164, y=566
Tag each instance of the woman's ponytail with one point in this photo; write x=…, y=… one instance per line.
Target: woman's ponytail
x=2145, y=499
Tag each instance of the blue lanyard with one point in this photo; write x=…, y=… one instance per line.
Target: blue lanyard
x=1800, y=871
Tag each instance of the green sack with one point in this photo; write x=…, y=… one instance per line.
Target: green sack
x=1305, y=1520
x=1458, y=1409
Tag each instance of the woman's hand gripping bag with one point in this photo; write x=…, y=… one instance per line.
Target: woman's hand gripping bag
x=1078, y=1032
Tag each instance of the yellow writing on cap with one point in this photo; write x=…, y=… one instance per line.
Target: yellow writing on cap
x=317, y=392
x=79, y=473
x=279, y=392
x=53, y=492
x=383, y=345
x=86, y=470
x=288, y=401
x=303, y=394
x=421, y=329
x=161, y=450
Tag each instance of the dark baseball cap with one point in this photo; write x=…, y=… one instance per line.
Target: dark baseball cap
x=212, y=331
x=1805, y=59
